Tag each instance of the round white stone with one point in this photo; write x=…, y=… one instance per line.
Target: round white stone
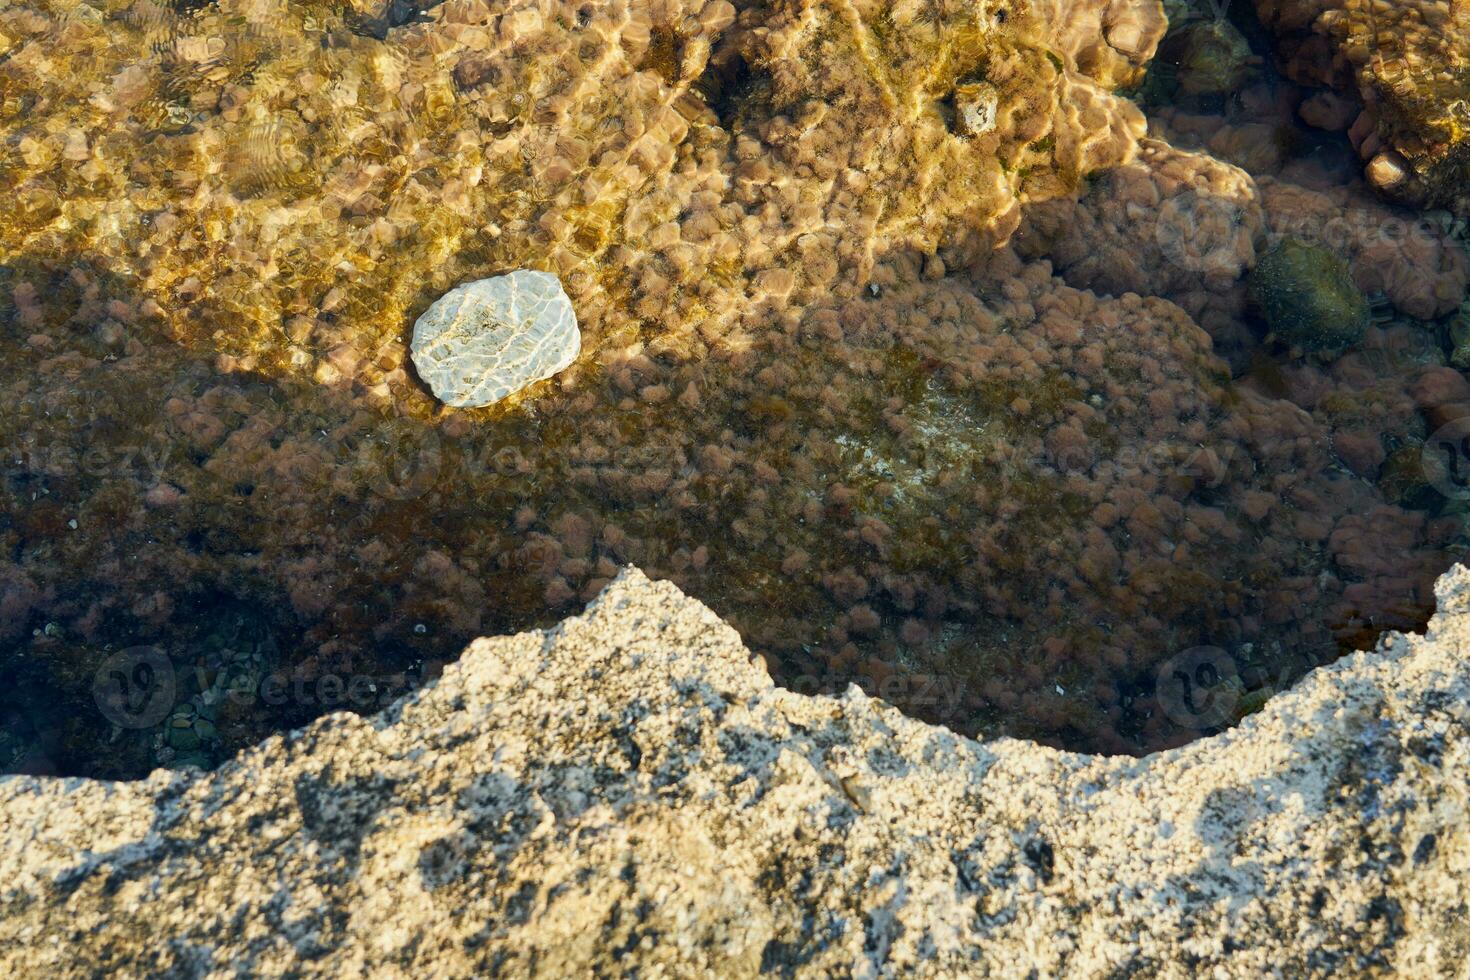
x=490, y=338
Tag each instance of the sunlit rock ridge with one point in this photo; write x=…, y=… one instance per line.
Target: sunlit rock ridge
x=629, y=791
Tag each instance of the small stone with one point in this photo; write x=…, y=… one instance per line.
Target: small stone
x=1459, y=335
x=1328, y=110
x=184, y=739
x=977, y=106
x=488, y=339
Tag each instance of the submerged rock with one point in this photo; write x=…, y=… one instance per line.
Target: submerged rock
x=748, y=209
x=1408, y=64
x=488, y=339
x=1308, y=297
x=1213, y=57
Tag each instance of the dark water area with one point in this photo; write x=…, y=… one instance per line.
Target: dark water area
x=1029, y=434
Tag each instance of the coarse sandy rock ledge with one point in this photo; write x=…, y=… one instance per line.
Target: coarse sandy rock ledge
x=629, y=793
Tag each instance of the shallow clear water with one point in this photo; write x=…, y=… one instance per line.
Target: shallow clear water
x=881, y=359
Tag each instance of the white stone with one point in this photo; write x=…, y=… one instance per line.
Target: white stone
x=488, y=339
x=978, y=105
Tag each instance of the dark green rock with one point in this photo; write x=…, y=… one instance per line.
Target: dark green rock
x=1307, y=296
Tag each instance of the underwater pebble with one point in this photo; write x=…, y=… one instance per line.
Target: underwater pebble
x=977, y=106
x=488, y=339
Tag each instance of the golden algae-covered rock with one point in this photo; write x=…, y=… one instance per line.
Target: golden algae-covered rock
x=1409, y=64
x=283, y=184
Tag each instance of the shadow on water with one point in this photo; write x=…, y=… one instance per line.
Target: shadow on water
x=170, y=597
x=106, y=565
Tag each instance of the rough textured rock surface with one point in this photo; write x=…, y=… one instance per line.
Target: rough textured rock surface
x=1409, y=65
x=629, y=788
x=490, y=338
